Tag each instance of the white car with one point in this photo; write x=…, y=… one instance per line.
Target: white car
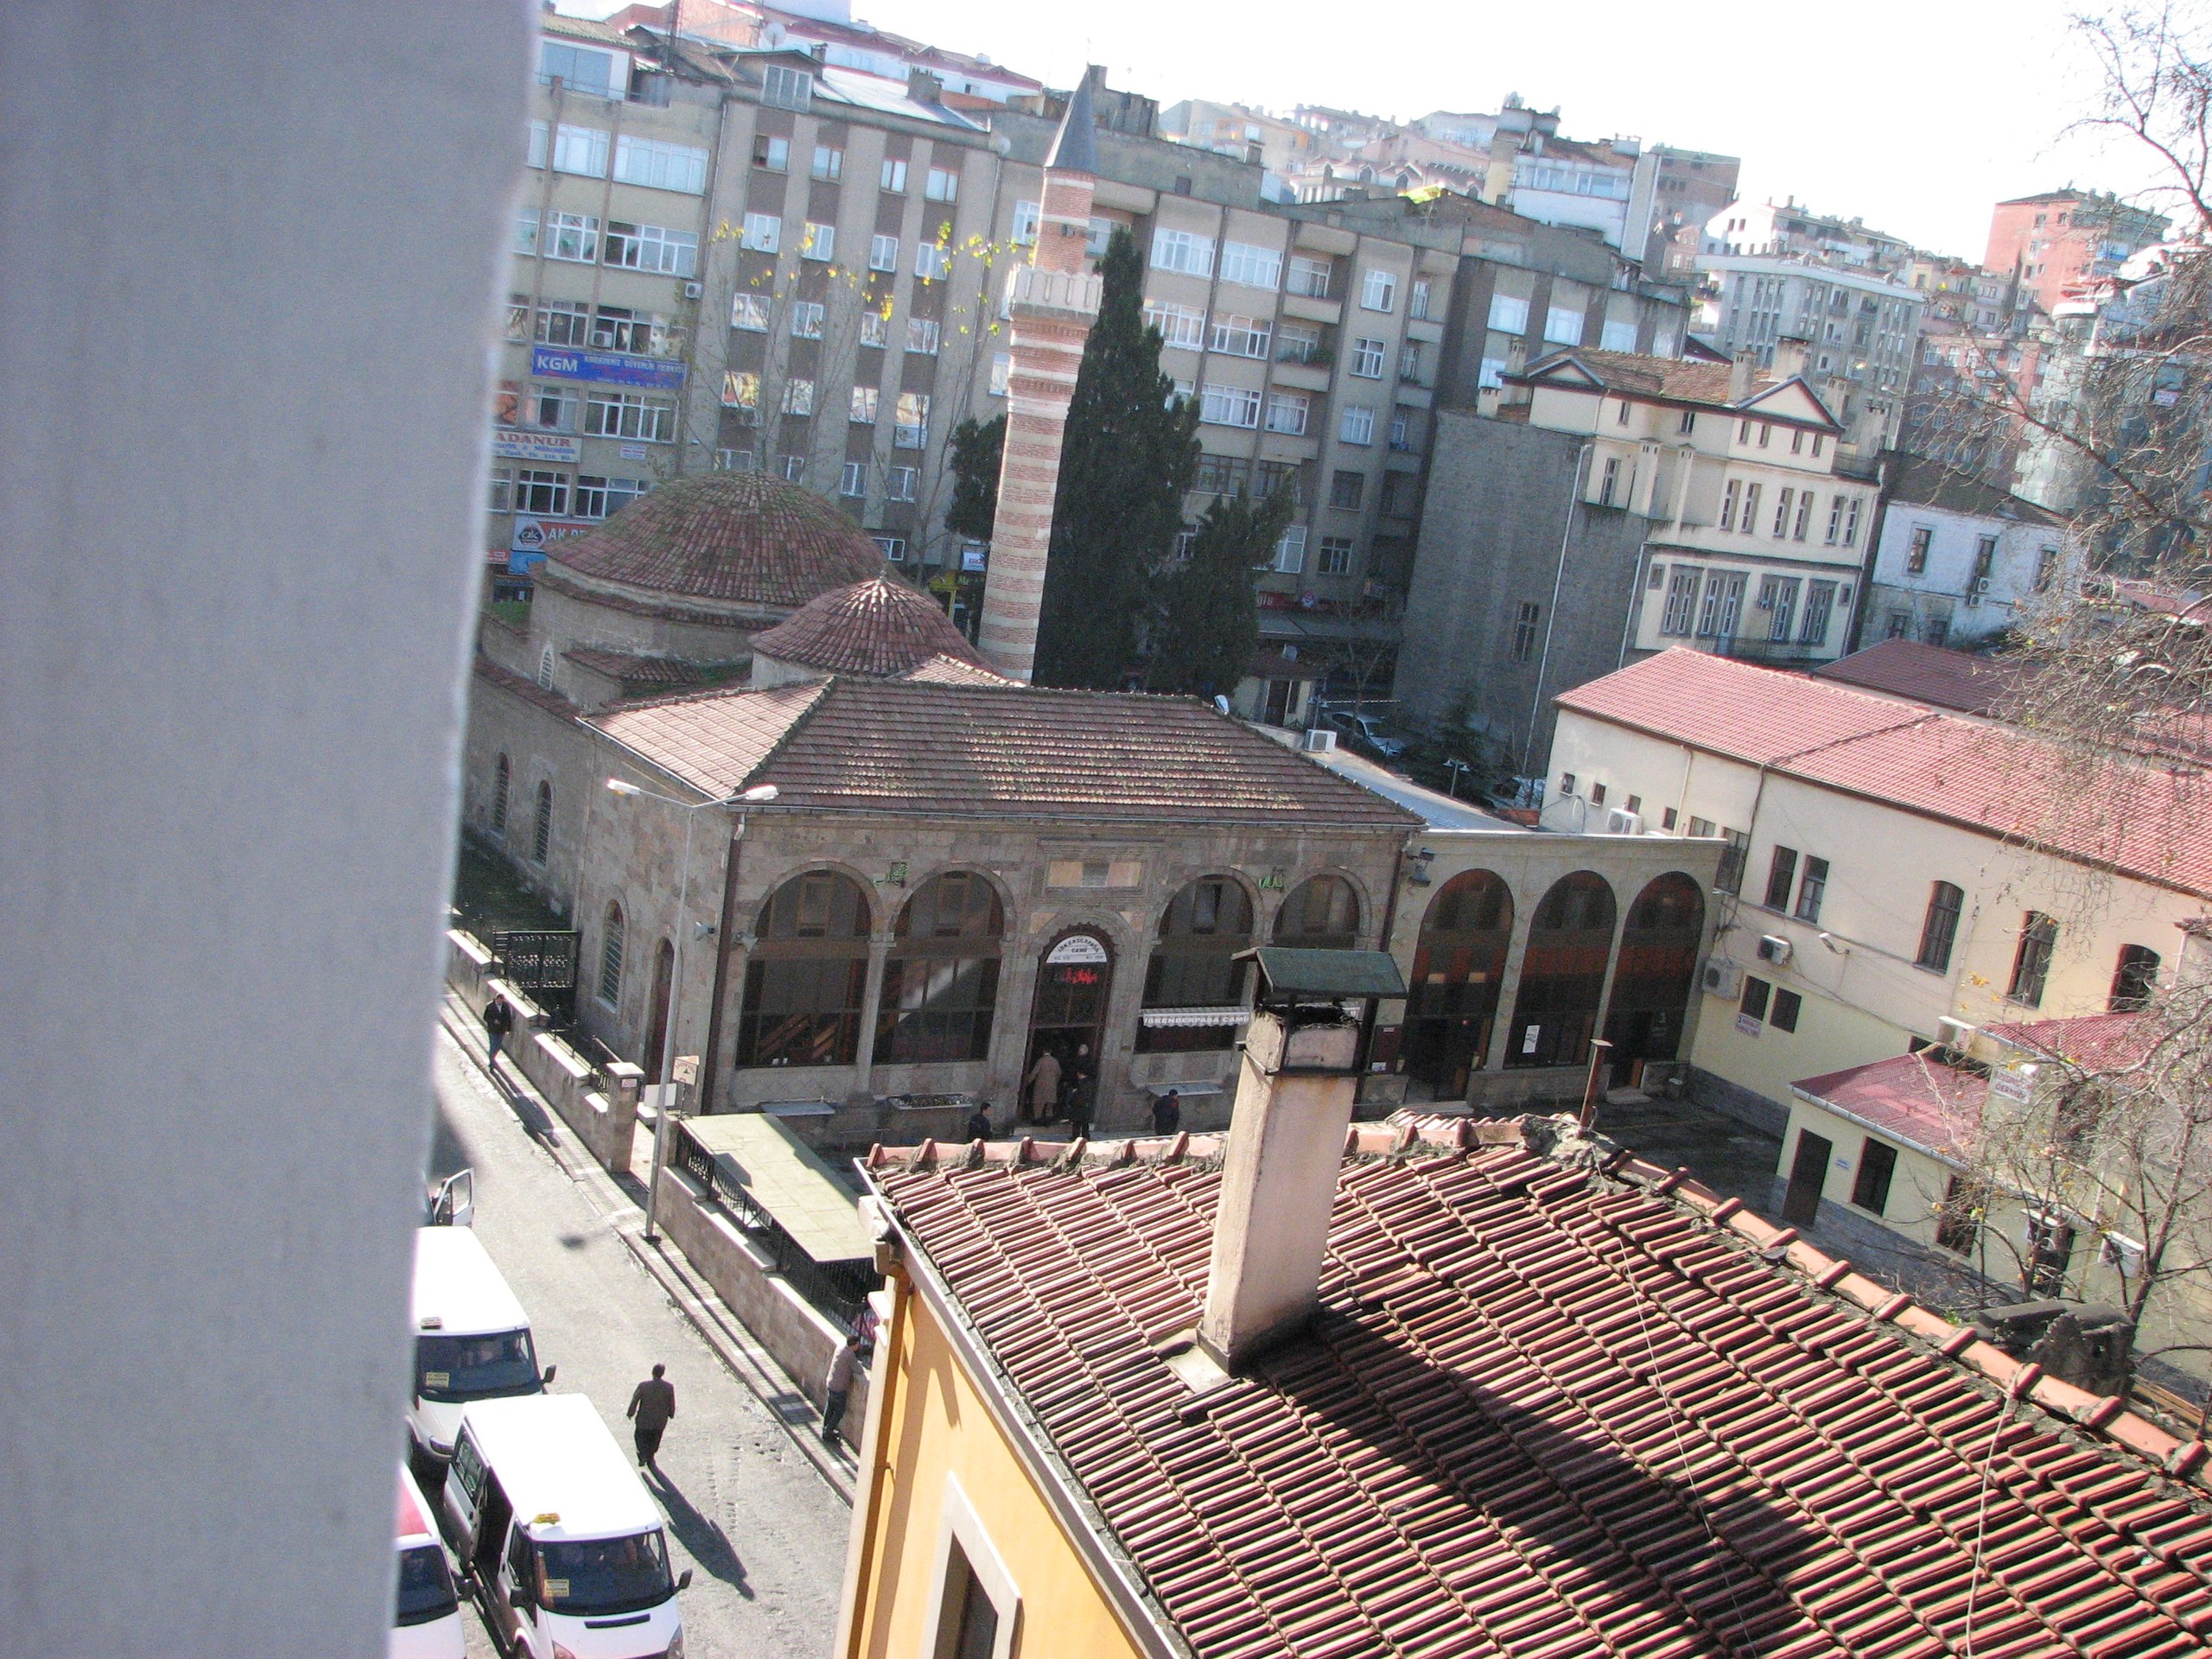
x=427, y=1623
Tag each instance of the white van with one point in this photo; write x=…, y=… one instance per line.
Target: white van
x=560, y=1536
x=472, y=1338
x=427, y=1623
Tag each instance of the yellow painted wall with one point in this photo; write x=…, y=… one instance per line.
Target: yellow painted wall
x=1916, y=1189
x=935, y=1424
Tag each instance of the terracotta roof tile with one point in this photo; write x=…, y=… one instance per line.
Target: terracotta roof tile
x=1545, y=1412
x=950, y=671
x=916, y=746
x=879, y=627
x=1931, y=674
x=2142, y=817
x=737, y=536
x=1662, y=376
x=633, y=669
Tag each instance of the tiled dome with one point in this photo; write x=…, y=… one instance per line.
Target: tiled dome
x=737, y=536
x=878, y=628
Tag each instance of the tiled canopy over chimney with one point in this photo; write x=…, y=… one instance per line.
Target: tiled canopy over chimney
x=1053, y=303
x=1294, y=1094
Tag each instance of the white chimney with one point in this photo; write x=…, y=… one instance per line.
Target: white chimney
x=1295, y=1089
x=1789, y=355
x=1740, y=376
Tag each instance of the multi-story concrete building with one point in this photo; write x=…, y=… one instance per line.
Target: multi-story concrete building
x=1958, y=559
x=1251, y=135
x=2058, y=240
x=754, y=258
x=826, y=28
x=1783, y=227
x=1621, y=504
x=1858, y=323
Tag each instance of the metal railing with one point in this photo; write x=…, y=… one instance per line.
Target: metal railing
x=839, y=1289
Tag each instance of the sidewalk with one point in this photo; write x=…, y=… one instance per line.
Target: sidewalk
x=622, y=1202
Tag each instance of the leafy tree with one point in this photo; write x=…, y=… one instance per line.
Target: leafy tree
x=978, y=450
x=1130, y=449
x=1209, y=624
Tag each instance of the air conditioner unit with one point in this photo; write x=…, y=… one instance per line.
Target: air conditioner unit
x=1774, y=948
x=692, y=290
x=1618, y=823
x=1319, y=740
x=1953, y=1034
x=1723, y=977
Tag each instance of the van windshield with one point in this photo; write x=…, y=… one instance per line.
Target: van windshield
x=425, y=1586
x=450, y=1368
x=604, y=1575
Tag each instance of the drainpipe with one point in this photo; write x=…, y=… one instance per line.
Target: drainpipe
x=710, y=1076
x=1635, y=605
x=1551, y=620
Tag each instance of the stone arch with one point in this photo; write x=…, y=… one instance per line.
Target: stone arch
x=1330, y=898
x=1459, y=965
x=941, y=976
x=806, y=972
x=1191, y=978
x=1656, y=973
x=1563, y=973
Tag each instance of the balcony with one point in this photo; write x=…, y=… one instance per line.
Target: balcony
x=1053, y=295
x=1306, y=308
x=1411, y=394
x=1428, y=330
x=1303, y=376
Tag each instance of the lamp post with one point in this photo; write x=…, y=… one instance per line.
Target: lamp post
x=758, y=795
x=1456, y=770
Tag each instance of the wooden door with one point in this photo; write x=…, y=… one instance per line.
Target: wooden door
x=1801, y=1205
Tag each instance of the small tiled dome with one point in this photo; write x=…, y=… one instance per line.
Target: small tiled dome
x=736, y=536
x=879, y=628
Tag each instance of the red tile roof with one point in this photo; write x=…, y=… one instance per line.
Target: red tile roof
x=1931, y=674
x=2136, y=816
x=736, y=536
x=928, y=745
x=950, y=671
x=522, y=686
x=1918, y=1099
x=879, y=627
x=1550, y=1414
x=1930, y=484
x=2093, y=1042
x=634, y=669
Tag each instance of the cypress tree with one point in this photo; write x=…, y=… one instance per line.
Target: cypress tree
x=1130, y=449
x=978, y=452
x=1209, y=629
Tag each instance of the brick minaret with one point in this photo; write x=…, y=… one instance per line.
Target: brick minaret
x=1055, y=300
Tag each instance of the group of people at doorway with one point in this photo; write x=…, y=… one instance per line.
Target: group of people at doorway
x=1054, y=1089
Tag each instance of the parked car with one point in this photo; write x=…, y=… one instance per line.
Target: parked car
x=472, y=1340
x=1364, y=731
x=426, y=1622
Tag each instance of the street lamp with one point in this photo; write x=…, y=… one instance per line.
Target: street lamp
x=758, y=795
x=1456, y=769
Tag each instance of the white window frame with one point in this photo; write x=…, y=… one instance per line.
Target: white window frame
x=922, y=335
x=1368, y=355
x=764, y=233
x=651, y=247
x=1181, y=326
x=1027, y=216
x=892, y=175
x=749, y=313
x=883, y=253
x=828, y=170
x=1289, y=412
x=807, y=319
x=1183, y=250
x=821, y=241
x=861, y=405
x=942, y=185
x=1309, y=277
x=786, y=88
x=1378, y=289
x=931, y=262
x=1335, y=556
x=1290, y=552
x=578, y=232
x=1251, y=265
x=580, y=150
x=660, y=165
x=1242, y=336
x=1563, y=325
x=525, y=243
x=1617, y=336
x=1357, y=425
x=1001, y=372
x=852, y=482
x=1231, y=406
x=899, y=483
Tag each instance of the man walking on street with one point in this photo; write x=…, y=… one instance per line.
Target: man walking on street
x=837, y=1387
x=1043, y=1084
x=652, y=1404
x=498, y=1020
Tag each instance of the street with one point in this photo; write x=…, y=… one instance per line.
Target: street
x=762, y=1531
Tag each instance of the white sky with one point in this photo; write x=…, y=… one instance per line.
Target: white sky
x=1916, y=116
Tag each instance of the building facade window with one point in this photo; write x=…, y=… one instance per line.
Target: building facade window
x=1508, y=314
x=1367, y=358
x=1781, y=876
x=1939, y=930
x=1230, y=406
x=1357, y=425
x=1563, y=973
x=1915, y=552
x=1812, y=889
x=1680, y=611
x=1193, y=967
x=1524, y=630
x=610, y=957
x=1335, y=556
x=1320, y=914
x=892, y=175
x=502, y=774
x=1250, y=264
x=663, y=166
x=940, y=981
x=1378, y=290
x=2135, y=979
x=1181, y=250
x=1288, y=412
x=2031, y=960
x=1309, y=277
x=805, y=976
x=1877, y=1167
x=541, y=831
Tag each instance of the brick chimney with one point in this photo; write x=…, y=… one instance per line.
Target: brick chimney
x=1295, y=1089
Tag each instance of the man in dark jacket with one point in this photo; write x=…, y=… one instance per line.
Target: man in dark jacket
x=652, y=1404
x=979, y=1123
x=1167, y=1114
x=498, y=1020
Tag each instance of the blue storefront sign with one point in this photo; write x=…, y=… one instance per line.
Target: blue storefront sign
x=561, y=363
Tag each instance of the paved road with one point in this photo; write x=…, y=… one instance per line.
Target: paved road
x=763, y=1532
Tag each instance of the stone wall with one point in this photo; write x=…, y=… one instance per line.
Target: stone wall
x=797, y=1335
x=1500, y=499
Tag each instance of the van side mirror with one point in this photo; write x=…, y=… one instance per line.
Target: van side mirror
x=683, y=1580
x=546, y=1381
x=518, y=1598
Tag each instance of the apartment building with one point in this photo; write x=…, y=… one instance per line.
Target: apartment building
x=2052, y=243
x=1958, y=559
x=1618, y=505
x=756, y=259
x=1268, y=141
x=826, y=29
x=1860, y=324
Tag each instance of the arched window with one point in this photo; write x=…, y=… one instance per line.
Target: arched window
x=941, y=981
x=541, y=834
x=610, y=957
x=1457, y=963
x=1194, y=987
x=1563, y=973
x=805, y=977
x=1322, y=914
x=501, y=775
x=545, y=668
x=1658, y=968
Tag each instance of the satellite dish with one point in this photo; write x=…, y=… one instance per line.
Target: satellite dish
x=1220, y=704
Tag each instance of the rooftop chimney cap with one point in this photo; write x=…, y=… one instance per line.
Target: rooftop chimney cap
x=1288, y=976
